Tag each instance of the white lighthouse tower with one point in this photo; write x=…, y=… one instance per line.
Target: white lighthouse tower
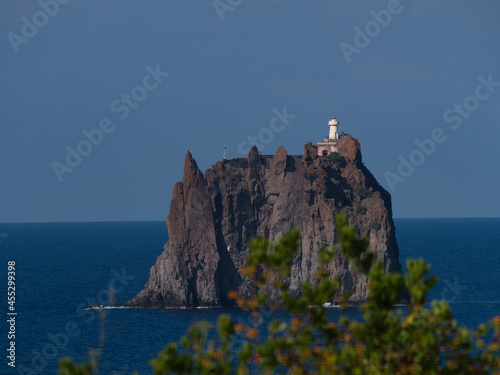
x=329, y=143
x=334, y=129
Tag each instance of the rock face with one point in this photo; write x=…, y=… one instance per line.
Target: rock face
x=213, y=216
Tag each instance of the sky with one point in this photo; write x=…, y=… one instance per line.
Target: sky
x=100, y=100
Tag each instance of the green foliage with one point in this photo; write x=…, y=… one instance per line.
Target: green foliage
x=364, y=192
x=197, y=354
x=67, y=367
x=418, y=282
x=422, y=340
x=336, y=158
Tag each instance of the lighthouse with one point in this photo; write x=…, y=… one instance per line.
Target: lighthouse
x=329, y=143
x=334, y=129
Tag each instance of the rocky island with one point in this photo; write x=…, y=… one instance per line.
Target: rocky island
x=214, y=215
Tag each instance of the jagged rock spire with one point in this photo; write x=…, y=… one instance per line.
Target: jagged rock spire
x=191, y=170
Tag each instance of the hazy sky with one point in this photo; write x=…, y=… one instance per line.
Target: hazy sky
x=394, y=73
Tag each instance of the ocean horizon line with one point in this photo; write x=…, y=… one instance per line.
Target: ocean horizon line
x=163, y=220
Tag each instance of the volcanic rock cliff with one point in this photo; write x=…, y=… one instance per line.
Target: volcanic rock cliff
x=213, y=216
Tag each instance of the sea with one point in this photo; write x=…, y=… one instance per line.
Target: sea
x=62, y=268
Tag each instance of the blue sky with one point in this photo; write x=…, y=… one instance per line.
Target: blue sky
x=230, y=70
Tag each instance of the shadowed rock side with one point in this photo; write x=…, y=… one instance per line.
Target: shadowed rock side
x=213, y=217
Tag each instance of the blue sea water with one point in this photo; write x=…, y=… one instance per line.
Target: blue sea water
x=63, y=267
